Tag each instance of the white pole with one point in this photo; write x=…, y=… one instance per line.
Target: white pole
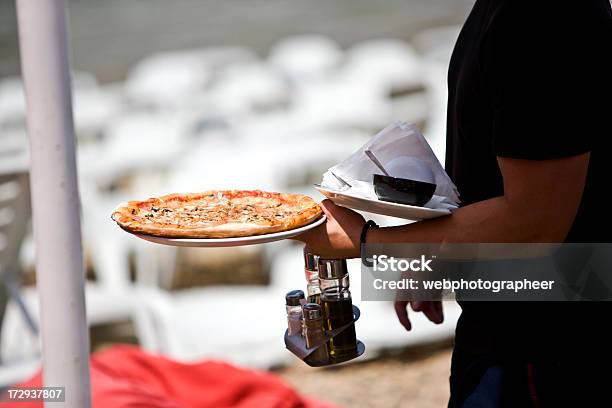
x=55, y=199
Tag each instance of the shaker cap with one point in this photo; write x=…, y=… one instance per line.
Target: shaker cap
x=332, y=268
x=294, y=297
x=312, y=311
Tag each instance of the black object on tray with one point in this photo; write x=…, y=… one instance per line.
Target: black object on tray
x=297, y=344
x=403, y=191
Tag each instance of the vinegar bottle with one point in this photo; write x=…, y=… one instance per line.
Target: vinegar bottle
x=337, y=306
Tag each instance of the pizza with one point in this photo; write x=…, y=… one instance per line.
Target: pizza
x=217, y=214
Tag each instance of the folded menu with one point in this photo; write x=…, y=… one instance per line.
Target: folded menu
x=403, y=152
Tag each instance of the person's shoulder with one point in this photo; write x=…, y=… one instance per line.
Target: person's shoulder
x=540, y=13
x=529, y=23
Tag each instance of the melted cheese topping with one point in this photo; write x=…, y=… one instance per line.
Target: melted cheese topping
x=216, y=211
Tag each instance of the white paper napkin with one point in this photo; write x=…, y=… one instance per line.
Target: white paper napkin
x=403, y=152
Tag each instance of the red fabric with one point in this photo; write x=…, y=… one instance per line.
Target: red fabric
x=127, y=377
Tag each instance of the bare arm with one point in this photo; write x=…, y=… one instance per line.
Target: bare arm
x=539, y=205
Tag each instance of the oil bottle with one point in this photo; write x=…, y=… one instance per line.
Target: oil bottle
x=337, y=306
x=313, y=290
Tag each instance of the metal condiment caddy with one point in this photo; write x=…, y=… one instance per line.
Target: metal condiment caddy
x=327, y=315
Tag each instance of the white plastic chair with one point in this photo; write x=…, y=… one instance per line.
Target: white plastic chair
x=112, y=298
x=249, y=87
x=14, y=212
x=165, y=80
x=390, y=62
x=240, y=324
x=12, y=96
x=14, y=216
x=94, y=107
x=245, y=324
x=306, y=57
x=12, y=102
x=342, y=101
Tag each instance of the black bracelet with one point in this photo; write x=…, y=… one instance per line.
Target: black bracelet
x=362, y=239
x=364, y=231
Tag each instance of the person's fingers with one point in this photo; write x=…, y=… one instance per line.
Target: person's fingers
x=417, y=305
x=433, y=312
x=439, y=310
x=303, y=237
x=402, y=314
x=338, y=212
x=311, y=234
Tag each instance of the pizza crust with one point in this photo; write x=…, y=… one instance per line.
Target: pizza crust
x=302, y=209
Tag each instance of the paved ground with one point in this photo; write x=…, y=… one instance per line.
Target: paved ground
x=408, y=378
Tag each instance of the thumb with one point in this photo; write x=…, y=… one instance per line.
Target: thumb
x=328, y=206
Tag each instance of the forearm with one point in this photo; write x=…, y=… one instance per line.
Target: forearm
x=493, y=220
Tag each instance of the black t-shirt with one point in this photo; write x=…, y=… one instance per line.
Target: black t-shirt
x=532, y=79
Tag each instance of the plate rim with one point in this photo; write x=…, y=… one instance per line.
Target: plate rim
x=440, y=211
x=253, y=239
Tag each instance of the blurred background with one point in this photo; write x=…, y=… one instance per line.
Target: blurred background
x=186, y=95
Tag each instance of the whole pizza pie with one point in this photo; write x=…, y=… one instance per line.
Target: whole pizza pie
x=217, y=214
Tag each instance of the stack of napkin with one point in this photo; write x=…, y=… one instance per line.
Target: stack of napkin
x=403, y=152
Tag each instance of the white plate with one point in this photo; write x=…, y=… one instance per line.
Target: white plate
x=230, y=242
x=409, y=212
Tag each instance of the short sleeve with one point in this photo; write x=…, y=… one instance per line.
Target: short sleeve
x=549, y=75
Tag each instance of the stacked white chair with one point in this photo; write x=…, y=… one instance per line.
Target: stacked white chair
x=306, y=58
x=19, y=346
